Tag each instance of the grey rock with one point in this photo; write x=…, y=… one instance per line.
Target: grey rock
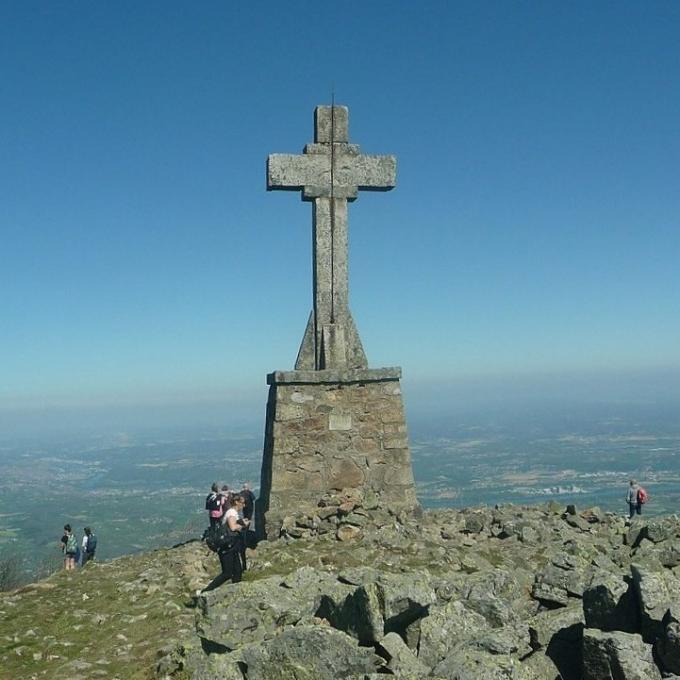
x=617, y=656
x=554, y=585
x=565, y=623
x=444, y=627
x=668, y=645
x=609, y=603
x=577, y=522
x=475, y=523
x=656, y=591
x=234, y=613
x=658, y=530
x=496, y=595
x=538, y=666
x=467, y=663
x=405, y=599
x=308, y=653
x=217, y=667
x=401, y=660
x=635, y=534
x=361, y=614
x=669, y=555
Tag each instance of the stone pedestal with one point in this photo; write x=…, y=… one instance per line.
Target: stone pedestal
x=332, y=430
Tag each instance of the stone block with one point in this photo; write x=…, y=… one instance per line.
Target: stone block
x=617, y=655
x=345, y=472
x=339, y=421
x=286, y=412
x=395, y=443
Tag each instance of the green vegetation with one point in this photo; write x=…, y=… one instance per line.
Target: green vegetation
x=108, y=620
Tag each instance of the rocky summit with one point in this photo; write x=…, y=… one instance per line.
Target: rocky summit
x=349, y=591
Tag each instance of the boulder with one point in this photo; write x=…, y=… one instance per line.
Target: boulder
x=495, y=594
x=668, y=645
x=669, y=554
x=348, y=532
x=361, y=614
x=215, y=667
x=617, y=656
x=475, y=523
x=308, y=653
x=237, y=613
x=563, y=624
x=554, y=586
x=444, y=627
x=466, y=663
x=609, y=603
x=658, y=530
x=400, y=659
x=406, y=598
x=656, y=591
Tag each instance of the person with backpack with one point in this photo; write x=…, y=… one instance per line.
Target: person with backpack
x=69, y=546
x=89, y=545
x=633, y=499
x=248, y=501
x=244, y=523
x=226, y=495
x=225, y=540
x=214, y=505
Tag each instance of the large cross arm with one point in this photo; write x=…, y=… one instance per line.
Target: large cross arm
x=295, y=171
x=350, y=171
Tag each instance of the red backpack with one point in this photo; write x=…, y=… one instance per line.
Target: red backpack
x=643, y=496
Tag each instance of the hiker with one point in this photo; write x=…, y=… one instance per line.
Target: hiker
x=230, y=557
x=249, y=501
x=213, y=504
x=226, y=499
x=633, y=499
x=89, y=545
x=244, y=523
x=69, y=546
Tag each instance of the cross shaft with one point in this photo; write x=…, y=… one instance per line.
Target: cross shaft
x=330, y=173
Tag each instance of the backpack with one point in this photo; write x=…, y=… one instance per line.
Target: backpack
x=71, y=545
x=91, y=544
x=220, y=538
x=212, y=502
x=643, y=496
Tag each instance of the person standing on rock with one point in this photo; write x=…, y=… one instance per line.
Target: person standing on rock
x=225, y=496
x=230, y=556
x=89, y=545
x=244, y=523
x=248, y=501
x=69, y=546
x=213, y=504
x=633, y=500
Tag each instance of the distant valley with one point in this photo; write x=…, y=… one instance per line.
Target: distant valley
x=141, y=491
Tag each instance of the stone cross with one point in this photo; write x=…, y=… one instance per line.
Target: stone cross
x=330, y=173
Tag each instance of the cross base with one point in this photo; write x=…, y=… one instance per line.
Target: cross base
x=333, y=430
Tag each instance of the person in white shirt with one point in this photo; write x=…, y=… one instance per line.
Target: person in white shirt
x=230, y=557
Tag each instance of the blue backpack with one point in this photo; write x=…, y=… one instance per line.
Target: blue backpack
x=91, y=544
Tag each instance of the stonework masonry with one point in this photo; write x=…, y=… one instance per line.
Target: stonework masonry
x=333, y=432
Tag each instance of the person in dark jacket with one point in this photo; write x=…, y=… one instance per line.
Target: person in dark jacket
x=248, y=501
x=89, y=545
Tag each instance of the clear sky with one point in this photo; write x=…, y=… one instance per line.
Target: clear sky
x=534, y=229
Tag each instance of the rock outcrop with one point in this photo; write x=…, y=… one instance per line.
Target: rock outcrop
x=518, y=593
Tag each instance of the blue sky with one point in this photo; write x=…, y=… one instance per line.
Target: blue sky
x=534, y=229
